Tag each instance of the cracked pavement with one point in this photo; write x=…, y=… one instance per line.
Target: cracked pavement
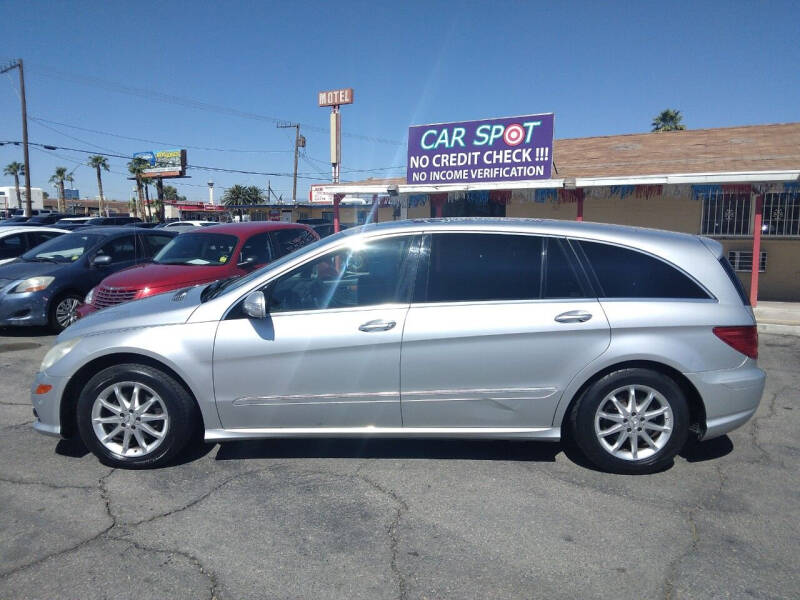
x=400, y=519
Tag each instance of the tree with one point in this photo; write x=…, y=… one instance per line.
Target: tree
x=99, y=162
x=136, y=168
x=171, y=194
x=668, y=120
x=58, y=179
x=238, y=195
x=15, y=169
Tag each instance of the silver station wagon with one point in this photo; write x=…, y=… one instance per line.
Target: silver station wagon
x=625, y=340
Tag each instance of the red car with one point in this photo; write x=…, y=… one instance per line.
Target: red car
x=201, y=256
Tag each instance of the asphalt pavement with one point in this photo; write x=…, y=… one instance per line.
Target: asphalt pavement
x=400, y=519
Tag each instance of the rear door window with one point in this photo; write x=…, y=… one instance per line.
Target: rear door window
x=289, y=240
x=473, y=267
x=626, y=273
x=12, y=246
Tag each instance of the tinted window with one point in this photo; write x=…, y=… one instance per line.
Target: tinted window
x=120, y=249
x=362, y=275
x=473, y=267
x=289, y=240
x=734, y=280
x=258, y=249
x=561, y=280
x=154, y=243
x=624, y=273
x=40, y=237
x=12, y=246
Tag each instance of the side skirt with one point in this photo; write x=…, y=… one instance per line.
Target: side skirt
x=547, y=434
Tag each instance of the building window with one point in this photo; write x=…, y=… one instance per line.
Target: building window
x=781, y=214
x=726, y=214
x=742, y=261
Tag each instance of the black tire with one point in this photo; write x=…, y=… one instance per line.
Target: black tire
x=53, y=311
x=180, y=407
x=583, y=413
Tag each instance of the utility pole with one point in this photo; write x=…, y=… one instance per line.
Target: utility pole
x=299, y=142
x=8, y=67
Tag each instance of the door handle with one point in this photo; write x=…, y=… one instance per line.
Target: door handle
x=574, y=316
x=377, y=325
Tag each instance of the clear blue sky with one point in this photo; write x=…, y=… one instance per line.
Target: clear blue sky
x=601, y=67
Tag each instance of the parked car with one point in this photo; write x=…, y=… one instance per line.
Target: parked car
x=628, y=340
x=106, y=221
x=48, y=219
x=71, y=223
x=190, y=224
x=45, y=285
x=13, y=221
x=323, y=229
x=15, y=241
x=200, y=256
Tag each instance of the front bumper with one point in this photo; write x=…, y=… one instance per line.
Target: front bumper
x=47, y=405
x=731, y=397
x=85, y=310
x=24, y=309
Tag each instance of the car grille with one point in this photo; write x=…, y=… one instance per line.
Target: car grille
x=105, y=296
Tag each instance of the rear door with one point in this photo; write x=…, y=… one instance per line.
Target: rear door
x=499, y=325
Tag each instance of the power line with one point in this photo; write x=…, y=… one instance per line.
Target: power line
x=136, y=139
x=189, y=102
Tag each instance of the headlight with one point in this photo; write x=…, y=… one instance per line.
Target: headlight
x=33, y=284
x=57, y=352
x=90, y=296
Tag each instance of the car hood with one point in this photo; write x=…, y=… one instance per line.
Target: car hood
x=20, y=269
x=163, y=276
x=165, y=309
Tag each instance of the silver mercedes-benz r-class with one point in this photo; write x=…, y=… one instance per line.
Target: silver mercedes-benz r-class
x=625, y=340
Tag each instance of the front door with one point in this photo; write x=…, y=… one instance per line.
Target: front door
x=499, y=325
x=328, y=354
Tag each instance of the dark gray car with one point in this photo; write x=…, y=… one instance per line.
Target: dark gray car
x=46, y=284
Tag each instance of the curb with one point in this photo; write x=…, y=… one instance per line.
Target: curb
x=779, y=329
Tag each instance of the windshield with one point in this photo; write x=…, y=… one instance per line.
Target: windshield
x=234, y=284
x=64, y=249
x=198, y=249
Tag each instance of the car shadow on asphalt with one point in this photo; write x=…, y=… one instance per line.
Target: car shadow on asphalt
x=26, y=332
x=695, y=451
x=391, y=449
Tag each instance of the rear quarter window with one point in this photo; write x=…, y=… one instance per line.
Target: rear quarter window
x=625, y=273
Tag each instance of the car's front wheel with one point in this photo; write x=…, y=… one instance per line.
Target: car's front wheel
x=631, y=421
x=64, y=311
x=135, y=416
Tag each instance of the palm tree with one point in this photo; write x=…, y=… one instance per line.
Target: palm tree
x=668, y=120
x=136, y=168
x=99, y=162
x=58, y=178
x=240, y=195
x=15, y=169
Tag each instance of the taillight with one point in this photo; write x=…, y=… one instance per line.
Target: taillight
x=741, y=338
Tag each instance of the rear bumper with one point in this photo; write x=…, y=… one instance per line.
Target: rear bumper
x=731, y=397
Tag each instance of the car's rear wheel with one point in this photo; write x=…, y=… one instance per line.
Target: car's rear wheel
x=135, y=416
x=64, y=311
x=631, y=421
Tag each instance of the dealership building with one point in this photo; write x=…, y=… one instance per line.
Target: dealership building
x=738, y=185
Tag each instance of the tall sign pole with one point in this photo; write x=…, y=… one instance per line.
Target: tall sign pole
x=334, y=99
x=18, y=65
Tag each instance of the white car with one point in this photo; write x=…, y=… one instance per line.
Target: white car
x=15, y=241
x=190, y=224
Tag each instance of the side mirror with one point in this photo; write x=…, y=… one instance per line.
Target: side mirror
x=247, y=262
x=101, y=260
x=255, y=305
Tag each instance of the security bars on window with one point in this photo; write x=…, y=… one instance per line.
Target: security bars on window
x=726, y=215
x=742, y=261
x=781, y=215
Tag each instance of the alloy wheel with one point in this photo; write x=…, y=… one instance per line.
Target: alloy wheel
x=130, y=419
x=67, y=312
x=633, y=422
